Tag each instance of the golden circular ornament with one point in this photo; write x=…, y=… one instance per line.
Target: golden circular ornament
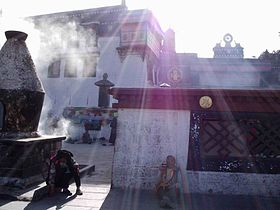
x=205, y=102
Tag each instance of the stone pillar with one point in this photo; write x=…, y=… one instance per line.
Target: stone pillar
x=21, y=91
x=23, y=151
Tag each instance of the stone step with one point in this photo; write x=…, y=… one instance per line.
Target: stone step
x=36, y=193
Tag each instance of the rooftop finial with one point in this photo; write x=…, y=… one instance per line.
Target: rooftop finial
x=123, y=3
x=16, y=34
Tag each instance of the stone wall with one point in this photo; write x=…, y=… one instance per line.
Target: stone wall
x=233, y=183
x=144, y=139
x=23, y=161
x=154, y=123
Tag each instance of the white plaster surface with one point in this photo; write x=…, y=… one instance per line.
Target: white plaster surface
x=81, y=91
x=233, y=183
x=229, y=79
x=144, y=139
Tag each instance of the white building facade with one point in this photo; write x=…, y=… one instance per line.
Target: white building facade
x=78, y=47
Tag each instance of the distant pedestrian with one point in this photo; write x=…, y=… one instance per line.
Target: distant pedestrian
x=105, y=131
x=61, y=170
x=113, y=134
x=86, y=138
x=96, y=125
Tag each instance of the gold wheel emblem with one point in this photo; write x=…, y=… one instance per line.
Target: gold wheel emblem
x=205, y=102
x=175, y=75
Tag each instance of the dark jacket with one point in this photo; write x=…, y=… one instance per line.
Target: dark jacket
x=55, y=169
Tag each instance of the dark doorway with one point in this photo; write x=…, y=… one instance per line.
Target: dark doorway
x=1, y=115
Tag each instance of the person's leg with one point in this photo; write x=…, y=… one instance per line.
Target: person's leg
x=77, y=179
x=62, y=180
x=58, y=180
x=171, y=195
x=65, y=183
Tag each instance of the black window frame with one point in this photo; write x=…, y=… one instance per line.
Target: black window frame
x=70, y=63
x=54, y=69
x=90, y=67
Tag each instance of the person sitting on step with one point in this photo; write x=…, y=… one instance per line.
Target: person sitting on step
x=167, y=186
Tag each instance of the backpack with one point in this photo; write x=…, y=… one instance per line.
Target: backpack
x=55, y=163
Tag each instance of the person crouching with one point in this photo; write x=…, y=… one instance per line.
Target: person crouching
x=62, y=169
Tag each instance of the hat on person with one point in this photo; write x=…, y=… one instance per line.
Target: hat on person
x=63, y=153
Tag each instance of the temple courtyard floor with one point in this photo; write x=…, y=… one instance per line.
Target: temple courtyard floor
x=97, y=192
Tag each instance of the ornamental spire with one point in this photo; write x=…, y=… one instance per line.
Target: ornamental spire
x=228, y=51
x=123, y=3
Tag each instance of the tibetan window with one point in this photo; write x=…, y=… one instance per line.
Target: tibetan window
x=54, y=69
x=234, y=142
x=90, y=65
x=70, y=68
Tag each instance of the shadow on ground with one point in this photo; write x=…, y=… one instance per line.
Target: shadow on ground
x=139, y=200
x=58, y=201
x=130, y=199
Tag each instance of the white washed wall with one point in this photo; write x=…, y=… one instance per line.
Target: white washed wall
x=109, y=61
x=133, y=72
x=144, y=139
x=81, y=91
x=233, y=183
x=229, y=79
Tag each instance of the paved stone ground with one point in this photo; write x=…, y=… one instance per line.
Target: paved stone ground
x=97, y=154
x=95, y=186
x=98, y=195
x=118, y=199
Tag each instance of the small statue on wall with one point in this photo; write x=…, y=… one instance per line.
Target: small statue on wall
x=104, y=86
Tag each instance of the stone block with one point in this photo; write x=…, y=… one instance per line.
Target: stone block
x=23, y=161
